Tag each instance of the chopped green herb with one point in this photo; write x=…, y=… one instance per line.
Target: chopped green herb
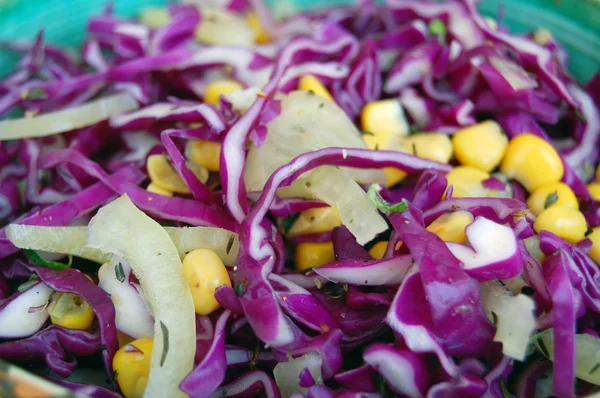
x=438, y=28
x=229, y=244
x=36, y=94
x=594, y=368
x=383, y=204
x=36, y=259
x=33, y=279
x=588, y=232
x=550, y=199
x=119, y=273
x=165, y=334
x=288, y=221
x=494, y=318
x=504, y=389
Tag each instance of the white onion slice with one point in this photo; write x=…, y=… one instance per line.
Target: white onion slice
x=514, y=317
x=121, y=228
x=16, y=320
x=72, y=241
x=132, y=314
x=587, y=355
x=67, y=119
x=287, y=374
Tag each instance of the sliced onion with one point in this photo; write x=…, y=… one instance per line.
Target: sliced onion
x=16, y=319
x=67, y=119
x=72, y=241
x=121, y=228
x=132, y=313
x=587, y=355
x=514, y=317
x=287, y=374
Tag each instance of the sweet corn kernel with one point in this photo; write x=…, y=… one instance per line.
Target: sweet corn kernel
x=261, y=34
x=70, y=311
x=311, y=83
x=205, y=272
x=131, y=365
x=432, y=146
x=532, y=161
x=313, y=254
x=542, y=36
x=450, y=227
x=205, y=153
x=594, y=189
x=384, y=124
x=553, y=194
x=163, y=174
x=378, y=249
x=393, y=176
x=594, y=252
x=216, y=88
x=467, y=181
x=481, y=146
x=564, y=222
x=314, y=221
x=152, y=187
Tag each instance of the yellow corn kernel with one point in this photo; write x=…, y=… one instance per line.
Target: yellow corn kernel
x=205, y=272
x=70, y=311
x=205, y=153
x=152, y=187
x=384, y=123
x=467, y=181
x=432, y=146
x=542, y=36
x=481, y=145
x=553, y=194
x=314, y=221
x=594, y=252
x=311, y=83
x=393, y=176
x=123, y=339
x=216, y=88
x=131, y=365
x=313, y=254
x=261, y=34
x=163, y=174
x=378, y=249
x=532, y=161
x=450, y=227
x=594, y=189
x=564, y=222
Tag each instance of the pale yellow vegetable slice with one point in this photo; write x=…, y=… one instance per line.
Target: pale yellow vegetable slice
x=587, y=355
x=121, y=228
x=72, y=241
x=308, y=122
x=67, y=119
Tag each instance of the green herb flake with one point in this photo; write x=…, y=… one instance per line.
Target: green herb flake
x=165, y=335
x=494, y=318
x=594, y=368
x=504, y=389
x=33, y=279
x=229, y=244
x=382, y=204
x=119, y=273
x=588, y=232
x=288, y=221
x=35, y=94
x=438, y=28
x=550, y=199
x=36, y=259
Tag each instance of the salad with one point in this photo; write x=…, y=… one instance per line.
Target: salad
x=364, y=201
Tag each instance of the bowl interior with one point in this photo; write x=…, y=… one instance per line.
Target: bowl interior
x=575, y=23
